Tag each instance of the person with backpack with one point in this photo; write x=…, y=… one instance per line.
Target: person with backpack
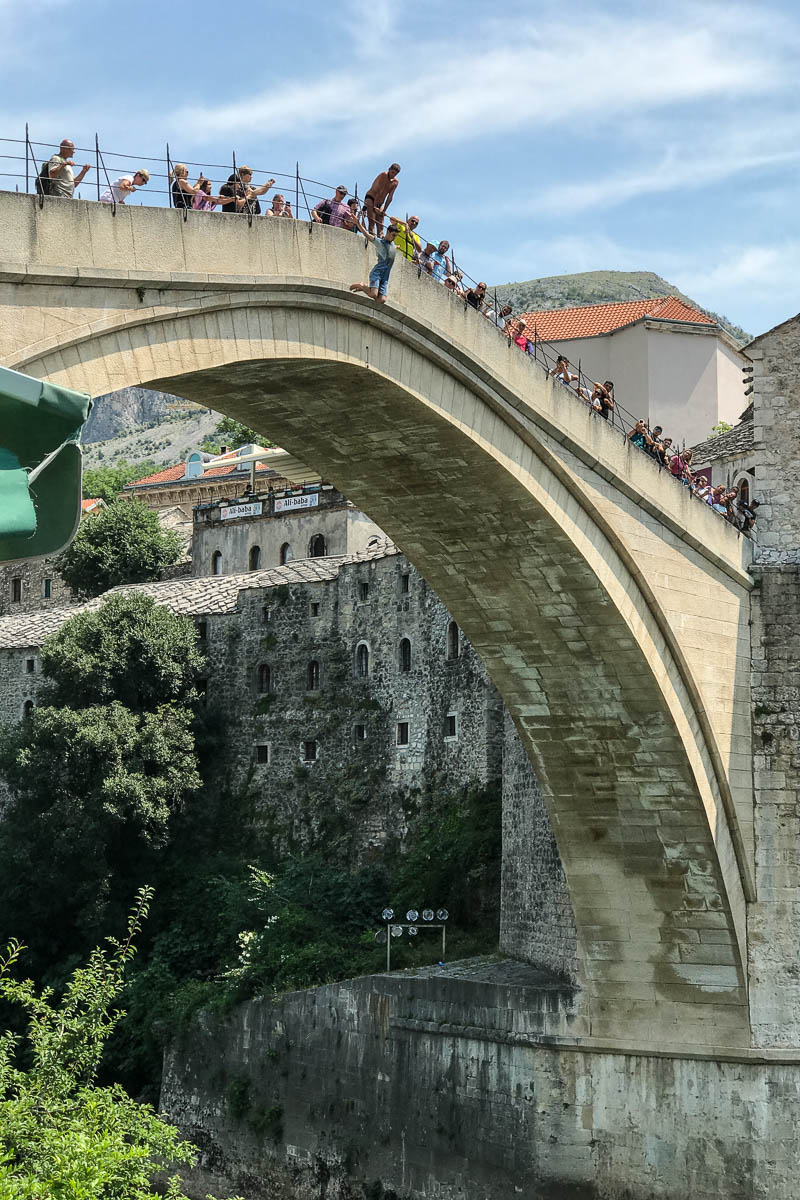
x=57, y=177
x=334, y=211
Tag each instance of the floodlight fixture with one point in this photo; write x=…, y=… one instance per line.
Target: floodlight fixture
x=387, y=914
x=427, y=914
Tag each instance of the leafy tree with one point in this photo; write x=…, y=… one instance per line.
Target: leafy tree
x=233, y=434
x=124, y=544
x=108, y=482
x=94, y=791
x=720, y=427
x=129, y=649
x=61, y=1134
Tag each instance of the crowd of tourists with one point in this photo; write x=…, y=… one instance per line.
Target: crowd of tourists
x=389, y=234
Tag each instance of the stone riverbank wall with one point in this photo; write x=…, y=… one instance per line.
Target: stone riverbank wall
x=469, y=1085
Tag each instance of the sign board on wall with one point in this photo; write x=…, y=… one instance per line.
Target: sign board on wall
x=291, y=503
x=240, y=510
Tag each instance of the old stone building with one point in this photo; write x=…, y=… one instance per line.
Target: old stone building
x=27, y=584
x=344, y=692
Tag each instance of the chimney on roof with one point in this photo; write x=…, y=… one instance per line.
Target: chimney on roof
x=223, y=449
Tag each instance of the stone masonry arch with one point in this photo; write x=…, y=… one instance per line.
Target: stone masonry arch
x=570, y=564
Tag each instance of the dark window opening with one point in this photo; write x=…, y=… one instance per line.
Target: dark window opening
x=264, y=679
x=202, y=630
x=27, y=710
x=453, y=647
x=405, y=654
x=363, y=591
x=359, y=733
x=317, y=547
x=16, y=590
x=255, y=558
x=405, y=583
x=30, y=664
x=47, y=589
x=315, y=608
x=312, y=676
x=309, y=751
x=262, y=754
x=202, y=690
x=265, y=614
x=216, y=562
x=362, y=661
x=402, y=733
x=451, y=726
x=744, y=491
x=286, y=554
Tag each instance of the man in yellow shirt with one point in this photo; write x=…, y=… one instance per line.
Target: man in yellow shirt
x=407, y=241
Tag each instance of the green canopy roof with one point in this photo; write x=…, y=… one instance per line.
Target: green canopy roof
x=40, y=465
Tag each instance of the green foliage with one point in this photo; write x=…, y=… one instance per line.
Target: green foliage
x=123, y=544
x=129, y=649
x=233, y=434
x=62, y=1136
x=720, y=427
x=108, y=482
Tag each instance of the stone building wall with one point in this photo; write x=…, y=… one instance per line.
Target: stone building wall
x=776, y=440
x=39, y=585
x=344, y=529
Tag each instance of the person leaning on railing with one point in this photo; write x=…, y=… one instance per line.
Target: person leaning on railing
x=184, y=193
x=118, y=191
x=239, y=196
x=57, y=176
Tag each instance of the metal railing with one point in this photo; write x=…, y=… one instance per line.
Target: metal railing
x=27, y=157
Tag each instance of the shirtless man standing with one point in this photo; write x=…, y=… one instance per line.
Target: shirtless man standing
x=379, y=196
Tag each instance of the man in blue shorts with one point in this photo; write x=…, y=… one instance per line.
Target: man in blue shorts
x=378, y=284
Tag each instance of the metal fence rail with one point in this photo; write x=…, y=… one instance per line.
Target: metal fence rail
x=21, y=160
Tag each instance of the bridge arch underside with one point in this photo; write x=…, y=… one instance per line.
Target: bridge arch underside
x=536, y=582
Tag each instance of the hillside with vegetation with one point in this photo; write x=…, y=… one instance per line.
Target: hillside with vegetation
x=601, y=287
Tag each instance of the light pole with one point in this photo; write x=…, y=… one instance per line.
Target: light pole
x=394, y=929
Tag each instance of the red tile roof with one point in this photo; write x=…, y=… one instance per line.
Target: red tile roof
x=88, y=505
x=177, y=473
x=590, y=320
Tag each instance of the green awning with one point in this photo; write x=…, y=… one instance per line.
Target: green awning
x=40, y=465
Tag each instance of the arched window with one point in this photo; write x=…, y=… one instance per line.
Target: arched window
x=362, y=660
x=264, y=679
x=744, y=491
x=286, y=554
x=453, y=647
x=317, y=547
x=405, y=654
x=312, y=676
x=216, y=562
x=27, y=710
x=255, y=558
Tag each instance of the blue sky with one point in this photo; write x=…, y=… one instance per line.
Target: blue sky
x=567, y=137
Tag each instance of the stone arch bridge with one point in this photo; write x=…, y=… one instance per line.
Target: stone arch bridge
x=611, y=611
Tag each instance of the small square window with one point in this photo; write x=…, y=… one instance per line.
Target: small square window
x=359, y=733
x=405, y=583
x=16, y=590
x=309, y=751
x=451, y=726
x=363, y=591
x=30, y=666
x=47, y=589
x=263, y=753
x=402, y=733
x=315, y=608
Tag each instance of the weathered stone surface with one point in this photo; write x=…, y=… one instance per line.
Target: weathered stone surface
x=611, y=610
x=461, y=1083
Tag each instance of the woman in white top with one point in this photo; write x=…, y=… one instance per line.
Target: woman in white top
x=125, y=186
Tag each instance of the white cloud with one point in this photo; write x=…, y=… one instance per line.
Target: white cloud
x=443, y=90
